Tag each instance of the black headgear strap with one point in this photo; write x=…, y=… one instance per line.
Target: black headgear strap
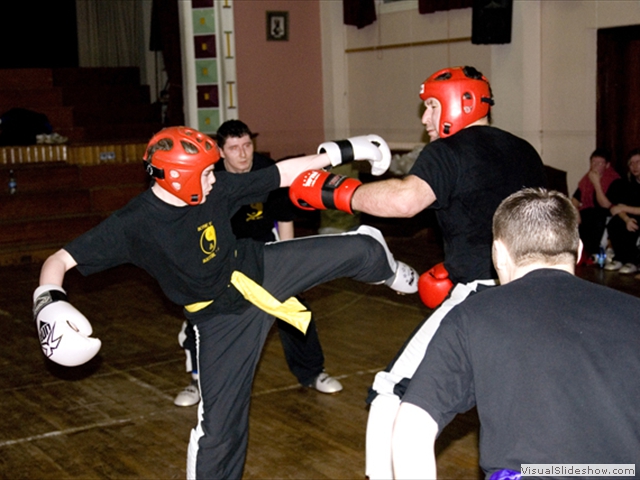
x=154, y=171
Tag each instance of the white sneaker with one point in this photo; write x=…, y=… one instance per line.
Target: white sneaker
x=325, y=383
x=613, y=266
x=628, y=268
x=188, y=397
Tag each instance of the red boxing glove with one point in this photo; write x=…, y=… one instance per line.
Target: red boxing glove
x=319, y=190
x=434, y=286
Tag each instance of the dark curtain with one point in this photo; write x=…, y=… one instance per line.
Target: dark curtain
x=165, y=37
x=430, y=6
x=359, y=13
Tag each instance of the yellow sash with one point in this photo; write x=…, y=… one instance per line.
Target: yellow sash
x=291, y=310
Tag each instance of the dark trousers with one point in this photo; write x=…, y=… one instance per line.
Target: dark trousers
x=593, y=221
x=303, y=353
x=623, y=241
x=229, y=345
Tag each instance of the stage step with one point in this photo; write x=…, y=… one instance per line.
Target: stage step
x=55, y=202
x=84, y=104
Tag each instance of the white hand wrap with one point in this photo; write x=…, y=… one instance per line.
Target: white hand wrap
x=367, y=147
x=63, y=331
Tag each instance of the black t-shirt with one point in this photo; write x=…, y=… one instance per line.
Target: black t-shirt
x=625, y=191
x=470, y=173
x=191, y=251
x=552, y=363
x=257, y=219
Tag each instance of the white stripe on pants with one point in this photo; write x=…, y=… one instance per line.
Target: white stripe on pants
x=385, y=405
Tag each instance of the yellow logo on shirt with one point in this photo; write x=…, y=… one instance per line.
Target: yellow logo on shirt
x=258, y=212
x=208, y=241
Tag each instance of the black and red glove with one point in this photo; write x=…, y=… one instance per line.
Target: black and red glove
x=320, y=190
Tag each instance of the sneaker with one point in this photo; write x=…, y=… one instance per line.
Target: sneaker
x=613, y=266
x=628, y=268
x=189, y=396
x=609, y=254
x=325, y=383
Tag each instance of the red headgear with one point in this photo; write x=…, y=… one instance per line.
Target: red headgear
x=178, y=163
x=463, y=99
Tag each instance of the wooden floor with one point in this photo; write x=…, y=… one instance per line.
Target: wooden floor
x=114, y=418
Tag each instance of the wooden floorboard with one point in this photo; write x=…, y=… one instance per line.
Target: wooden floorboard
x=114, y=417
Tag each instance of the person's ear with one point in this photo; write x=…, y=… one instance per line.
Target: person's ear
x=500, y=255
x=221, y=151
x=580, y=249
x=502, y=261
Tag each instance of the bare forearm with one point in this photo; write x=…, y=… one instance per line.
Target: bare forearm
x=394, y=197
x=632, y=210
x=601, y=197
x=285, y=230
x=291, y=168
x=54, y=268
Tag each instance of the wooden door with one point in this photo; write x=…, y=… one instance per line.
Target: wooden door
x=618, y=96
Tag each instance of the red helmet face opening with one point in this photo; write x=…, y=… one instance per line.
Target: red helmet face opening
x=464, y=99
x=176, y=158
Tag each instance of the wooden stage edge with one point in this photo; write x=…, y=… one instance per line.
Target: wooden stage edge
x=85, y=154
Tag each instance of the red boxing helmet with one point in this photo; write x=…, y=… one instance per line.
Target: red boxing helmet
x=464, y=95
x=176, y=158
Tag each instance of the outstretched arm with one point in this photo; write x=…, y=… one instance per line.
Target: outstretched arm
x=64, y=332
x=412, y=443
x=403, y=198
x=55, y=267
x=371, y=148
x=291, y=168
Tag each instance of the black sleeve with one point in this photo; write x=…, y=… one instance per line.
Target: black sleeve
x=249, y=187
x=443, y=384
x=100, y=248
x=616, y=193
x=437, y=165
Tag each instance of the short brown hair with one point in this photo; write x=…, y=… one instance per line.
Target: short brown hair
x=538, y=225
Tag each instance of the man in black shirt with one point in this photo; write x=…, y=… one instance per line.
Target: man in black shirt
x=463, y=174
x=550, y=361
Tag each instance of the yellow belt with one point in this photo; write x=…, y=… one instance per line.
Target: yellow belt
x=291, y=310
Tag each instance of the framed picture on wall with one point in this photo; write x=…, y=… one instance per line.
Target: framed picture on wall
x=278, y=26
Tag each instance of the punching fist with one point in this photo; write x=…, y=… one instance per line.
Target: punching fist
x=319, y=190
x=367, y=147
x=434, y=285
x=63, y=331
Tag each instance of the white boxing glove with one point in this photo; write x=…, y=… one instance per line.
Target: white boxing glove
x=63, y=331
x=367, y=147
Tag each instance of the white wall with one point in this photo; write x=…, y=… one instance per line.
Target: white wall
x=544, y=81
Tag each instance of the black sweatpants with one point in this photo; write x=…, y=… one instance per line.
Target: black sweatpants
x=229, y=346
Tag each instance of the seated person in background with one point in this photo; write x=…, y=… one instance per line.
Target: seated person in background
x=591, y=200
x=553, y=370
x=257, y=221
x=623, y=227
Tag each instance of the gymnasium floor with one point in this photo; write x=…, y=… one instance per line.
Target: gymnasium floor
x=114, y=417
